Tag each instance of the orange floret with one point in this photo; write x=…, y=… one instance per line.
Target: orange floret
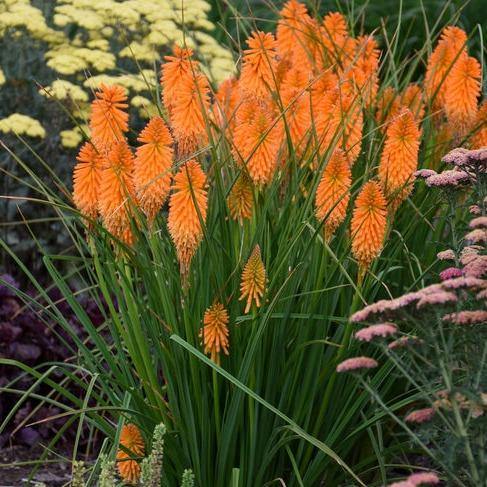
x=479, y=138
x=175, y=70
x=333, y=193
x=129, y=468
x=86, y=180
x=152, y=167
x=399, y=158
x=117, y=193
x=188, y=116
x=259, y=65
x=108, y=119
x=452, y=42
x=187, y=211
x=368, y=225
x=257, y=140
x=462, y=92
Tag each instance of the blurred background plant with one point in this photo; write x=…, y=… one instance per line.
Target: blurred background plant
x=438, y=338
x=55, y=53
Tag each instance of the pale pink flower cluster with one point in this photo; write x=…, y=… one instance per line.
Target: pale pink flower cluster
x=475, y=160
x=476, y=267
x=482, y=294
x=464, y=282
x=419, y=478
x=474, y=210
x=425, y=173
x=470, y=317
x=446, y=179
x=469, y=252
x=420, y=416
x=440, y=297
x=479, y=222
x=479, y=235
x=450, y=273
x=384, y=306
x=446, y=255
x=356, y=363
x=381, y=330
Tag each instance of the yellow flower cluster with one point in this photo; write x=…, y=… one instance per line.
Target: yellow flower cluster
x=114, y=42
x=22, y=125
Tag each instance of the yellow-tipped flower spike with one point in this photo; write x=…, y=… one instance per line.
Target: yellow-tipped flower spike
x=187, y=204
x=333, y=193
x=368, y=225
x=86, y=180
x=399, y=158
x=152, y=167
x=252, y=285
x=240, y=200
x=215, y=331
x=128, y=467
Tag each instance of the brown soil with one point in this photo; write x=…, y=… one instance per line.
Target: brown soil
x=16, y=464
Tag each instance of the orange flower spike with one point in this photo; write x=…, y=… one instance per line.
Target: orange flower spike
x=129, y=468
x=295, y=99
x=259, y=65
x=479, y=138
x=152, y=167
x=452, y=42
x=298, y=36
x=226, y=101
x=257, y=140
x=333, y=193
x=86, y=180
x=336, y=38
x=351, y=124
x=366, y=69
x=252, y=285
x=399, y=158
x=116, y=192
x=108, y=119
x=177, y=68
x=462, y=92
x=188, y=201
x=368, y=225
x=289, y=32
x=215, y=331
x=188, y=117
x=240, y=200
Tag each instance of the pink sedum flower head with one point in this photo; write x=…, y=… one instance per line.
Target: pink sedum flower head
x=446, y=255
x=479, y=235
x=469, y=317
x=356, y=363
x=479, y=222
x=464, y=283
x=420, y=416
x=447, y=179
x=424, y=478
x=425, y=173
x=441, y=297
x=383, y=330
x=450, y=273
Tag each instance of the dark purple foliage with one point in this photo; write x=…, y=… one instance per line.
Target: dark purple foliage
x=29, y=336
